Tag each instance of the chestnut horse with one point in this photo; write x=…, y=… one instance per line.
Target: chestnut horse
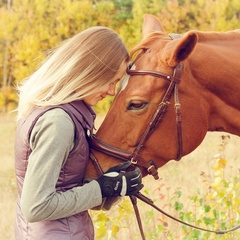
x=200, y=74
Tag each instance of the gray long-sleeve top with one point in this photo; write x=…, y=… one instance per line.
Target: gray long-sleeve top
x=51, y=141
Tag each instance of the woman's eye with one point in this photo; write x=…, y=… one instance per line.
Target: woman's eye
x=136, y=105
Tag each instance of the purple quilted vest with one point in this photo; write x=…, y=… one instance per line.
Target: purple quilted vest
x=75, y=227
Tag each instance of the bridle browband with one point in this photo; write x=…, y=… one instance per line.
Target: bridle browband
x=135, y=156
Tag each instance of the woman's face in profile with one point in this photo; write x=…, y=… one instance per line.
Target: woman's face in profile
x=108, y=89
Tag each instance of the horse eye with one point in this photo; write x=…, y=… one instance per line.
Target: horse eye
x=136, y=105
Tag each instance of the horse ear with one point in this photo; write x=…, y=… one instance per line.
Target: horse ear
x=150, y=24
x=179, y=49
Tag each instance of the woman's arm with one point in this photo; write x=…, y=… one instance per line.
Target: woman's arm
x=51, y=141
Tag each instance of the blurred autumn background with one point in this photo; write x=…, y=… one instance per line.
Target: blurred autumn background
x=29, y=28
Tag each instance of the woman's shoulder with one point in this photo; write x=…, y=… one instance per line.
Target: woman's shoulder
x=53, y=127
x=57, y=112
x=58, y=117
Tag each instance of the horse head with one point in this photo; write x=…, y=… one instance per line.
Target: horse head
x=177, y=77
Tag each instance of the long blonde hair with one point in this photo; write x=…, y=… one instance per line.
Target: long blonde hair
x=77, y=68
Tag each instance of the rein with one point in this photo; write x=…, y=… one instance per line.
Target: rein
x=148, y=201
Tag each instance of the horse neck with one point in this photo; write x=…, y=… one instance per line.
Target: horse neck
x=216, y=69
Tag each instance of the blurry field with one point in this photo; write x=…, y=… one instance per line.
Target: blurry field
x=187, y=176
x=7, y=177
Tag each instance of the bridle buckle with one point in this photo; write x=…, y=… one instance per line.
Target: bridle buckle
x=134, y=161
x=153, y=171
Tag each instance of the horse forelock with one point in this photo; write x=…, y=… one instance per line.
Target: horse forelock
x=144, y=44
x=123, y=84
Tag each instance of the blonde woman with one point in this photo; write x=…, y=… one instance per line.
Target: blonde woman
x=51, y=149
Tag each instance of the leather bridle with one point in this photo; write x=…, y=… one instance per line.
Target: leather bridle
x=158, y=116
x=163, y=105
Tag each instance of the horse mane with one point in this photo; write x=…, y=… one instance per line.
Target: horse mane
x=203, y=36
x=210, y=35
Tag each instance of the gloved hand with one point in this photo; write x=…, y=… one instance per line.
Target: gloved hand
x=117, y=182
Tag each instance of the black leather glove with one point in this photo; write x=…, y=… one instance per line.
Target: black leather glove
x=117, y=182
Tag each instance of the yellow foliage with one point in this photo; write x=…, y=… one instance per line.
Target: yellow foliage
x=33, y=27
x=220, y=165
x=115, y=230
